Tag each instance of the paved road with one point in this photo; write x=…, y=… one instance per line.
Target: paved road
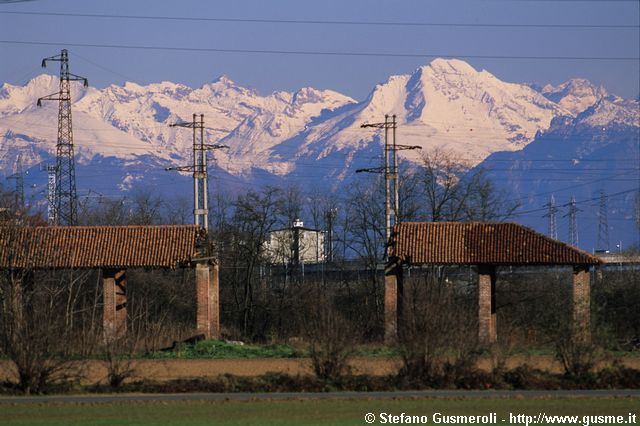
x=109, y=398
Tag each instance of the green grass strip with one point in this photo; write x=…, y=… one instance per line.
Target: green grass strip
x=301, y=412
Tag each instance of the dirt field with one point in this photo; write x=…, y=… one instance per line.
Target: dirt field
x=185, y=369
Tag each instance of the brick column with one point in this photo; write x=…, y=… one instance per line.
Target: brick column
x=487, y=330
x=207, y=300
x=114, y=317
x=393, y=293
x=581, y=304
x=214, y=300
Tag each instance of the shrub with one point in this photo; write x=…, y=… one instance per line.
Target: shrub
x=331, y=341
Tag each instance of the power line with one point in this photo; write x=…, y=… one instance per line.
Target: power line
x=546, y=206
x=318, y=53
x=326, y=22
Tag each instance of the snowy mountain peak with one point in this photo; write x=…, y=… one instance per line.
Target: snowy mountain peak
x=575, y=95
x=224, y=79
x=611, y=111
x=450, y=66
x=446, y=105
x=307, y=95
x=16, y=99
x=471, y=111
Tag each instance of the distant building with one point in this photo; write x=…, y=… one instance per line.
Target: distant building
x=296, y=245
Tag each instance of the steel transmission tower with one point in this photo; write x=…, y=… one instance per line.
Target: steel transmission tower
x=51, y=194
x=551, y=214
x=603, y=224
x=573, y=222
x=18, y=176
x=66, y=201
x=390, y=170
x=199, y=169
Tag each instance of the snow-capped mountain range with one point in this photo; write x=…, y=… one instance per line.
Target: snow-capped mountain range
x=123, y=139
x=446, y=104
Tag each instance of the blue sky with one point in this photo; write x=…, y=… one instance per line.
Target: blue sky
x=351, y=75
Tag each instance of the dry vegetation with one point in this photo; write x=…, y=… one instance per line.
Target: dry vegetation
x=51, y=321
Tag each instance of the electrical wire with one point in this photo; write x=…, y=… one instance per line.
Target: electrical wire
x=319, y=53
x=325, y=22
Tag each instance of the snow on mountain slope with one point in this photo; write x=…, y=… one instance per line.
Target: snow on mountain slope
x=446, y=105
x=575, y=95
x=134, y=120
x=33, y=134
x=16, y=99
x=598, y=150
x=612, y=111
x=278, y=118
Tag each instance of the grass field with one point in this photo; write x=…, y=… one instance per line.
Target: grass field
x=216, y=349
x=301, y=412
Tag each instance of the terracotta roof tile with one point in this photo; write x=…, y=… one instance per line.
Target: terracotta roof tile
x=477, y=243
x=161, y=246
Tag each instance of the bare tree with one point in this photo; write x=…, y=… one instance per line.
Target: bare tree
x=41, y=316
x=453, y=191
x=255, y=215
x=438, y=337
x=179, y=211
x=332, y=339
x=364, y=222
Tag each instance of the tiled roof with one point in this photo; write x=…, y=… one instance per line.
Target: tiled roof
x=162, y=246
x=478, y=243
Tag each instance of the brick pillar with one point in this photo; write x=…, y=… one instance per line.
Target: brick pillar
x=487, y=330
x=581, y=304
x=393, y=293
x=15, y=302
x=114, y=317
x=214, y=298
x=207, y=300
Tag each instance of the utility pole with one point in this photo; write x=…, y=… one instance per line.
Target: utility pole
x=66, y=207
x=331, y=215
x=551, y=214
x=394, y=172
x=390, y=170
x=18, y=176
x=573, y=222
x=199, y=169
x=603, y=224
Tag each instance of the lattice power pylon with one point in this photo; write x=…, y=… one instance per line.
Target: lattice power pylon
x=66, y=201
x=51, y=194
x=573, y=222
x=551, y=214
x=18, y=176
x=603, y=224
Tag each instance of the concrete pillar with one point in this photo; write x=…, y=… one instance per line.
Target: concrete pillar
x=393, y=294
x=487, y=330
x=207, y=300
x=581, y=303
x=114, y=317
